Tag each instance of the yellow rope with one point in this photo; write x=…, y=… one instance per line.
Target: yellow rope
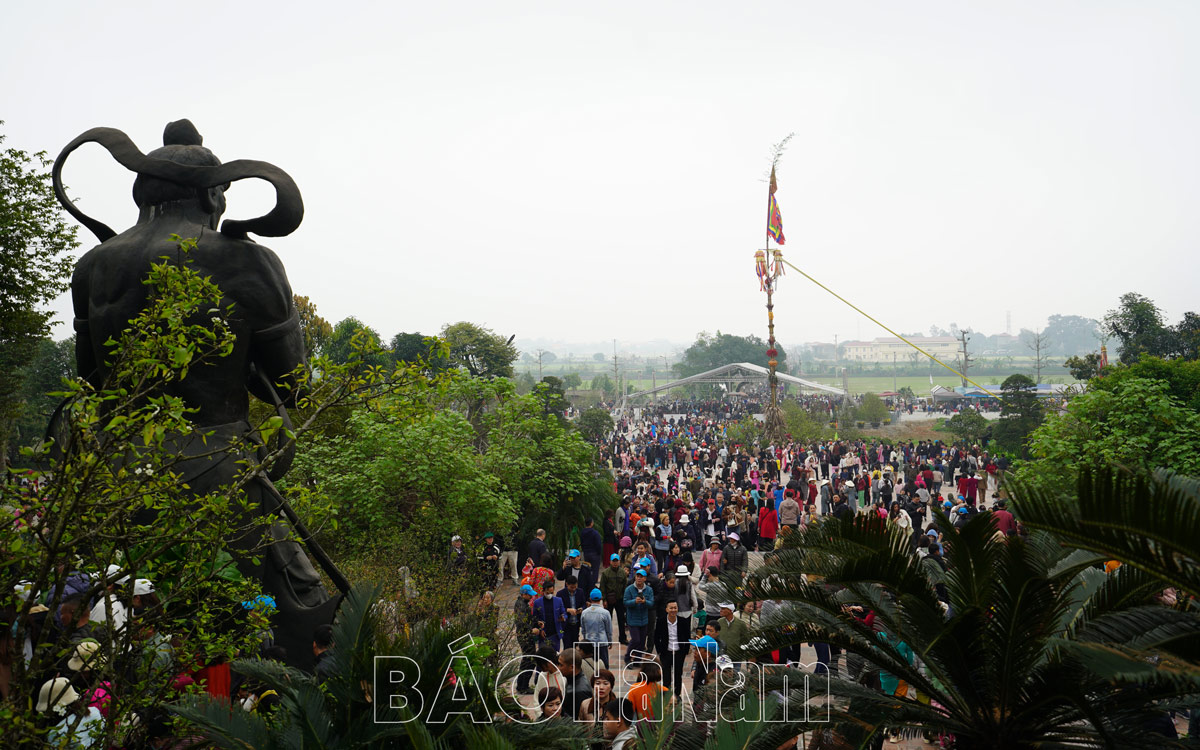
x=889, y=330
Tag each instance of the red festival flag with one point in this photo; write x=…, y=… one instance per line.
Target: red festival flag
x=774, y=218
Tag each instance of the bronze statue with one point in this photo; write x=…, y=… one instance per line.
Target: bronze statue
x=180, y=190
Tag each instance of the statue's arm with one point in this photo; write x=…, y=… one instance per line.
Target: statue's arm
x=85, y=353
x=277, y=346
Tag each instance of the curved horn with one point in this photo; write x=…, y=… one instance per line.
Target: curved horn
x=280, y=221
x=111, y=139
x=289, y=207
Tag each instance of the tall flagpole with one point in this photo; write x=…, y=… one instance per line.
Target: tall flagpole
x=775, y=428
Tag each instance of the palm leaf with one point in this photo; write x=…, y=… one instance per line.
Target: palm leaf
x=1150, y=522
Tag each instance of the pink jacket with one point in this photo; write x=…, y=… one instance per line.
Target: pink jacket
x=710, y=559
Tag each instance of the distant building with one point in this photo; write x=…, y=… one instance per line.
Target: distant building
x=820, y=350
x=884, y=348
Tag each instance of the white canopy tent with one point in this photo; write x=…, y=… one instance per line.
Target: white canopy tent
x=732, y=376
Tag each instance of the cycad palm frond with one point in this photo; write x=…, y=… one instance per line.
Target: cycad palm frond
x=995, y=670
x=1150, y=522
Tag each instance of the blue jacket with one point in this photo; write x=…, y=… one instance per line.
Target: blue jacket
x=638, y=614
x=560, y=613
x=596, y=624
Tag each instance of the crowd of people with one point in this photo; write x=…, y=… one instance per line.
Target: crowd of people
x=102, y=632
x=696, y=512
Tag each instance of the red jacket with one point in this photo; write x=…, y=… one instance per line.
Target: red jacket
x=768, y=523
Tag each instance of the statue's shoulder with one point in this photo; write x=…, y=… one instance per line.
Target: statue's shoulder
x=241, y=255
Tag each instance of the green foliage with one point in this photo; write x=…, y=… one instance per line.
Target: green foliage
x=479, y=351
x=595, y=424
x=525, y=383
x=802, y=424
x=552, y=393
x=1069, y=334
x=398, y=466
x=1085, y=367
x=1020, y=414
x=968, y=425
x=907, y=393
x=449, y=454
x=1136, y=424
x=709, y=352
x=111, y=495
x=1182, y=378
x=345, y=712
x=1187, y=337
x=572, y=380
x=1149, y=523
x=1139, y=325
x=413, y=348
x=317, y=331
x=1022, y=613
x=350, y=334
x=746, y=432
x=546, y=467
x=36, y=242
x=872, y=409
x=52, y=361
x=604, y=383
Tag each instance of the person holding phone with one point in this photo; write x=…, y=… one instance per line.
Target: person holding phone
x=639, y=607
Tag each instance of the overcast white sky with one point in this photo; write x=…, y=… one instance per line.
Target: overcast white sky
x=590, y=171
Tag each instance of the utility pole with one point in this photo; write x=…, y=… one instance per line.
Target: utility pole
x=616, y=374
x=540, y=353
x=966, y=358
x=894, y=372
x=616, y=371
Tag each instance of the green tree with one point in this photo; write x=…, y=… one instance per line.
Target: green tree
x=1136, y=424
x=1187, y=337
x=598, y=357
x=342, y=342
x=403, y=467
x=1070, y=334
x=1182, y=378
x=595, y=424
x=872, y=409
x=115, y=499
x=968, y=425
x=572, y=380
x=746, y=432
x=1138, y=324
x=409, y=347
x=36, y=243
x=802, y=424
x=1020, y=414
x=525, y=383
x=552, y=393
x=317, y=330
x=479, y=351
x=604, y=383
x=709, y=352
x=42, y=377
x=1083, y=368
